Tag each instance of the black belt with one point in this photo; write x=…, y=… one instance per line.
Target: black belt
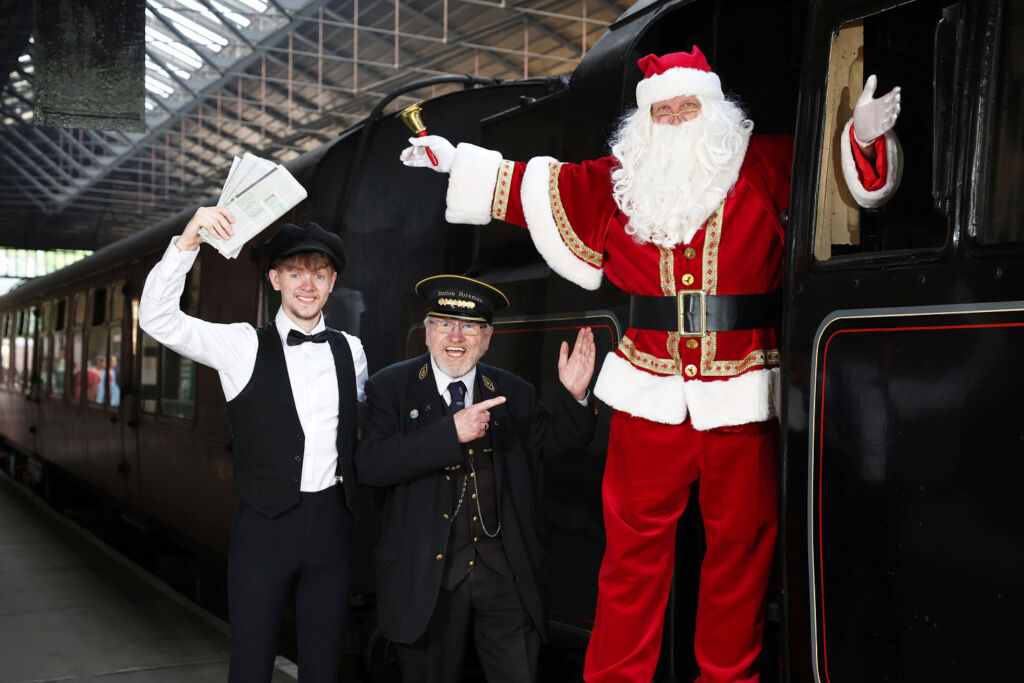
x=692, y=312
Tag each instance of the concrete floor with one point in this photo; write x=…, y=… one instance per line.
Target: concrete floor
x=71, y=609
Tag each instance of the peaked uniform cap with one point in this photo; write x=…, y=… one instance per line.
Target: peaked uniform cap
x=675, y=74
x=462, y=298
x=291, y=239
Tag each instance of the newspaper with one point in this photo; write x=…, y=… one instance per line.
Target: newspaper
x=257, y=192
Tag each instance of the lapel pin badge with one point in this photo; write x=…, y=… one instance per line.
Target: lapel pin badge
x=414, y=413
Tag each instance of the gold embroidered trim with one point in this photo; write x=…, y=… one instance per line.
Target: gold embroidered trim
x=673, y=347
x=487, y=382
x=457, y=303
x=423, y=372
x=711, y=366
x=647, y=361
x=712, y=239
x=499, y=207
x=569, y=237
x=666, y=268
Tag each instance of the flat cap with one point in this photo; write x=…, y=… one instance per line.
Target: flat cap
x=291, y=239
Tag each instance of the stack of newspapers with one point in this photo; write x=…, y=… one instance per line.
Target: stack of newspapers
x=257, y=192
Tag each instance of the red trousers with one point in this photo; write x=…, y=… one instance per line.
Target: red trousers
x=647, y=480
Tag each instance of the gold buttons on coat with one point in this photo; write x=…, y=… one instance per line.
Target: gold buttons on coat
x=687, y=279
x=470, y=451
x=692, y=343
x=475, y=539
x=439, y=557
x=474, y=496
x=691, y=370
x=689, y=252
x=445, y=515
x=471, y=563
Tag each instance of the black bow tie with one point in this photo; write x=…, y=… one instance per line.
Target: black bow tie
x=295, y=337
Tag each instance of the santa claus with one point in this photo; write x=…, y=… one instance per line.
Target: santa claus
x=684, y=215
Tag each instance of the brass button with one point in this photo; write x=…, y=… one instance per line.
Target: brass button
x=471, y=563
x=692, y=343
x=474, y=518
x=475, y=539
x=445, y=515
x=447, y=477
x=474, y=496
x=439, y=557
x=471, y=451
x=687, y=280
x=689, y=252
x=690, y=370
x=472, y=475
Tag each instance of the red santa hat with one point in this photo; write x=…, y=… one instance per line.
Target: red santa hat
x=674, y=74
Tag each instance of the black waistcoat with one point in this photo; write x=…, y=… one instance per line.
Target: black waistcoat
x=467, y=542
x=268, y=437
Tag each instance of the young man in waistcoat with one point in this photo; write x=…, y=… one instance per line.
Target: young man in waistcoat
x=291, y=387
x=454, y=445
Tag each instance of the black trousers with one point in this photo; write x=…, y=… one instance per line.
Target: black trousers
x=506, y=639
x=309, y=547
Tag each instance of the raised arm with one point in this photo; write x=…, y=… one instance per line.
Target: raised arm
x=871, y=155
x=221, y=347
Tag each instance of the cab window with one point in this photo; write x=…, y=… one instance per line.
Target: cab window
x=898, y=46
x=1002, y=216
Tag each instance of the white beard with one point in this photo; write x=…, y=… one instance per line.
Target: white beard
x=672, y=178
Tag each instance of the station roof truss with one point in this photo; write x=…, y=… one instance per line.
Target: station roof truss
x=276, y=78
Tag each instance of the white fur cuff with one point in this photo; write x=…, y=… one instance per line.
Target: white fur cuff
x=750, y=397
x=676, y=82
x=894, y=170
x=623, y=386
x=471, y=184
x=535, y=195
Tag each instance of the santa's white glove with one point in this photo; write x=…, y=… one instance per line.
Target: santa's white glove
x=874, y=117
x=416, y=155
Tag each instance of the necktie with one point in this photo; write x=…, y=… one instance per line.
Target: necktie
x=295, y=337
x=458, y=392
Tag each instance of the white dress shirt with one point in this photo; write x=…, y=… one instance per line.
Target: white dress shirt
x=230, y=349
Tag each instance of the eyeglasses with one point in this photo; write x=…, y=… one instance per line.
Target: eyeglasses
x=449, y=327
x=661, y=112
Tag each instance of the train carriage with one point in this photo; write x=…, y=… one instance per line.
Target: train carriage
x=899, y=549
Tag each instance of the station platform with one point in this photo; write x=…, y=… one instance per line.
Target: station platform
x=72, y=609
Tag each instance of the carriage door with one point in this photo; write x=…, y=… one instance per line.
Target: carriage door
x=903, y=453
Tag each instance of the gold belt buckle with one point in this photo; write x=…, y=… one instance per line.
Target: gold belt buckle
x=681, y=312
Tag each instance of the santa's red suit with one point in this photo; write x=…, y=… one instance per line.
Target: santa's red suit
x=686, y=407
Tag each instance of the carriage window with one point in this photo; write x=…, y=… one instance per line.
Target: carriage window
x=5, y=351
x=1003, y=200
x=99, y=306
x=96, y=366
x=45, y=364
x=898, y=46
x=177, y=385
x=79, y=379
x=20, y=352
x=30, y=345
x=149, y=357
x=113, y=379
x=59, y=365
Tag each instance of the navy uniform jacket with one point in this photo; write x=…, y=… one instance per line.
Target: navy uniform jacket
x=407, y=442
